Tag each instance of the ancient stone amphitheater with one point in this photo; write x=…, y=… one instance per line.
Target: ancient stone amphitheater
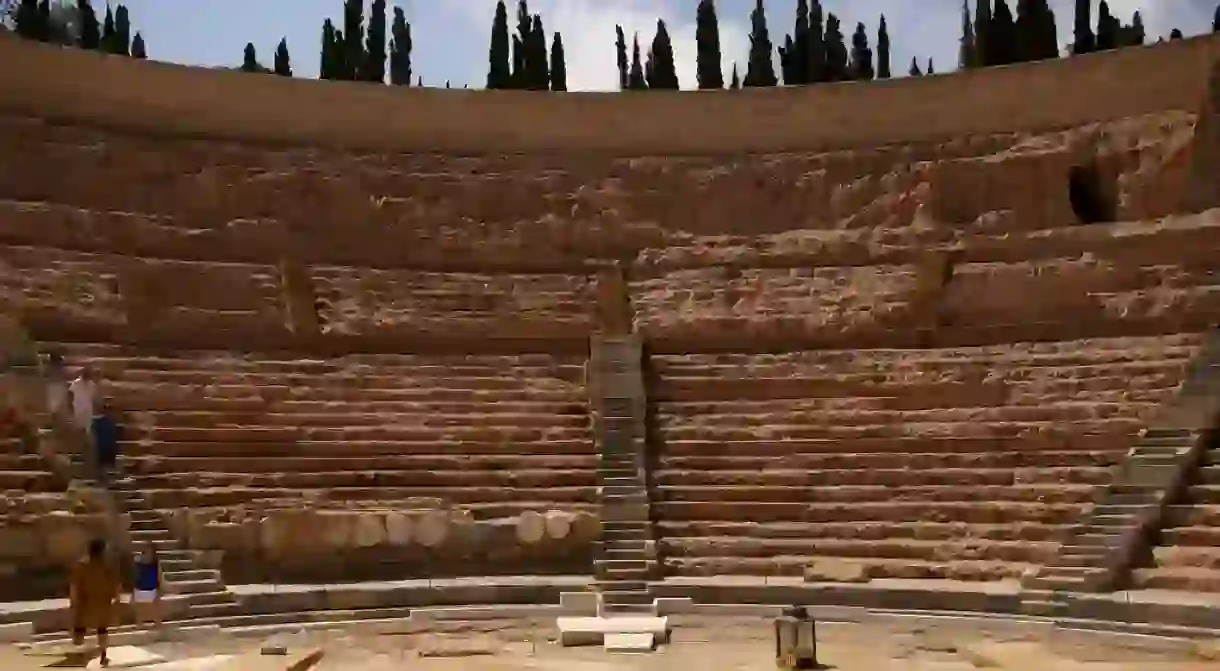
x=921, y=345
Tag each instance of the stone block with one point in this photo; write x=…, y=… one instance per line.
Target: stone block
x=621, y=642
x=673, y=605
x=837, y=570
x=16, y=632
x=127, y=657
x=580, y=603
x=574, y=631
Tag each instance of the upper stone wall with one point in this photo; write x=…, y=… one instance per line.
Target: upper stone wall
x=94, y=89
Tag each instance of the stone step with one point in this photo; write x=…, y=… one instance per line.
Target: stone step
x=1059, y=583
x=629, y=608
x=1042, y=608
x=216, y=597
x=204, y=586
x=220, y=609
x=624, y=491
x=1095, y=528
x=191, y=575
x=626, y=597
x=1166, y=433
x=613, y=473
x=1100, y=540
x=630, y=481
x=1141, y=498
x=147, y=525
x=621, y=585
x=144, y=516
x=1081, y=550
x=175, y=565
x=141, y=536
x=1124, y=520
x=1110, y=508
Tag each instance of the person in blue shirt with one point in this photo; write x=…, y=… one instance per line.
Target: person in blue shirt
x=106, y=436
x=146, y=592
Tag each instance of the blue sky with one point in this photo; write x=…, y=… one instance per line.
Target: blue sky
x=451, y=36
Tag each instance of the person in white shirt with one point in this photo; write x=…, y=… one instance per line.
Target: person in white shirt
x=84, y=392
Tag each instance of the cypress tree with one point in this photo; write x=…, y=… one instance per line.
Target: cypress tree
x=967, y=56
x=26, y=19
x=1084, y=39
x=1135, y=32
x=43, y=24
x=400, y=49
x=1175, y=34
x=787, y=54
x=620, y=46
x=499, y=74
x=559, y=69
x=1049, y=36
x=1001, y=36
x=815, y=69
x=108, y=39
x=137, y=46
x=90, y=31
x=283, y=64
x=931, y=70
x=1037, y=37
x=536, y=53
x=861, y=55
x=249, y=61
x=373, y=67
x=883, y=50
x=1216, y=20
x=353, y=39
x=327, y=68
x=707, y=47
x=664, y=74
x=122, y=31
x=836, y=51
x=636, y=80
x=914, y=70
x=522, y=67
x=518, y=63
x=800, y=43
x=1107, y=27
x=761, y=69
x=982, y=32
x=735, y=82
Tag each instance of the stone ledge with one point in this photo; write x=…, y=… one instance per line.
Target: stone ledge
x=1142, y=615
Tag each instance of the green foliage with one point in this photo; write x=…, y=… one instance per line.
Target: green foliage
x=538, y=70
x=559, y=69
x=499, y=74
x=635, y=78
x=374, y=57
x=137, y=47
x=861, y=55
x=1084, y=39
x=707, y=46
x=620, y=47
x=761, y=70
x=967, y=53
x=400, y=50
x=249, y=61
x=283, y=62
x=91, y=31
x=883, y=50
x=352, y=39
x=662, y=73
x=914, y=70
x=836, y=51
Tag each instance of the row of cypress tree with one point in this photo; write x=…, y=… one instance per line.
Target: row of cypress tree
x=520, y=60
x=77, y=25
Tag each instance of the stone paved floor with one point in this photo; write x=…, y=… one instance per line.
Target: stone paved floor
x=735, y=644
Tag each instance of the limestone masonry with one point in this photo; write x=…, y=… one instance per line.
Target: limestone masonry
x=923, y=348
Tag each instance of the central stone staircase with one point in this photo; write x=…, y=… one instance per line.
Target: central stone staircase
x=626, y=554
x=183, y=570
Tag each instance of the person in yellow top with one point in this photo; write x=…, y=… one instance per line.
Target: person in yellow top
x=94, y=597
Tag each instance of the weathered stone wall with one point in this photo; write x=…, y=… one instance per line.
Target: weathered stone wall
x=286, y=319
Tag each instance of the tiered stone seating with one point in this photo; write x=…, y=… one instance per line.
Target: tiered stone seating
x=952, y=463
x=495, y=435
x=1188, y=555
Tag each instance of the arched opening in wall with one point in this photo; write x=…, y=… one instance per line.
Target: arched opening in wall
x=1092, y=202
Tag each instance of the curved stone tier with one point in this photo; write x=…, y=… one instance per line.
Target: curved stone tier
x=911, y=345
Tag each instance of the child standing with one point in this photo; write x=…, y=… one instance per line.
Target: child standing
x=146, y=595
